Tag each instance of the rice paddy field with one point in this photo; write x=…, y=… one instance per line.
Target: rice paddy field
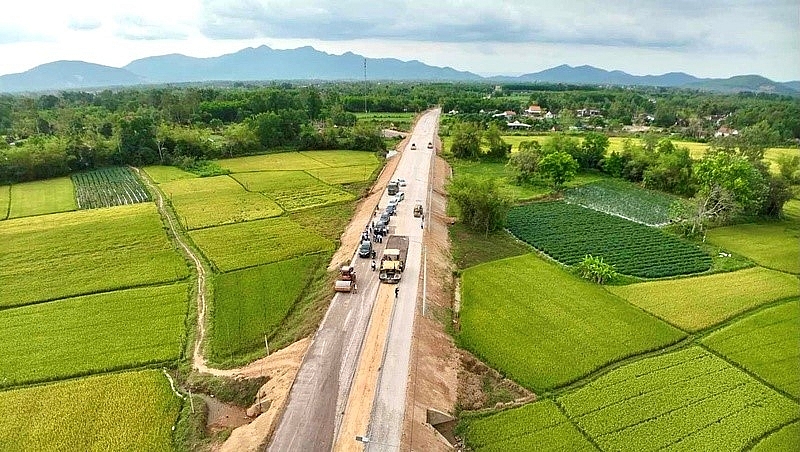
x=284, y=161
x=5, y=201
x=293, y=190
x=132, y=411
x=67, y=254
x=766, y=343
x=42, y=197
x=162, y=174
x=521, y=315
x=90, y=334
x=694, y=304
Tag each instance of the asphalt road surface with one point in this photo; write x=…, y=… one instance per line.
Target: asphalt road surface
x=318, y=397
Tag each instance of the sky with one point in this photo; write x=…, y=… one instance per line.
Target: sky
x=705, y=38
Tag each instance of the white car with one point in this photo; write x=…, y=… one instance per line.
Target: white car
x=401, y=182
x=400, y=196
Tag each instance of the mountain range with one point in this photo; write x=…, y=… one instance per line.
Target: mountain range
x=306, y=63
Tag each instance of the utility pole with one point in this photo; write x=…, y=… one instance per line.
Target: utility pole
x=365, y=85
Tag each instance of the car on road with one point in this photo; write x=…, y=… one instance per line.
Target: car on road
x=413, y=147
x=381, y=228
x=385, y=217
x=391, y=209
x=365, y=249
x=430, y=145
x=401, y=182
x=400, y=196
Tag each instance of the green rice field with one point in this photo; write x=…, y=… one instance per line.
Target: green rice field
x=697, y=303
x=162, y=174
x=132, y=411
x=242, y=245
x=344, y=174
x=284, y=161
x=523, y=314
x=787, y=438
x=251, y=303
x=5, y=201
x=74, y=253
x=292, y=190
x=685, y=400
x=92, y=333
x=42, y=197
x=766, y=343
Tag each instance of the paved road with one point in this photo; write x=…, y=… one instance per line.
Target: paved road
x=316, y=402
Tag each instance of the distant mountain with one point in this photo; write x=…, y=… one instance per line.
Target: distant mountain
x=304, y=63
x=307, y=63
x=60, y=75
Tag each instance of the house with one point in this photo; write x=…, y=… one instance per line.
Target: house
x=587, y=112
x=508, y=114
x=725, y=132
x=534, y=110
x=518, y=125
x=452, y=112
x=549, y=115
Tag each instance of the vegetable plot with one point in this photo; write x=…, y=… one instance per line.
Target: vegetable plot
x=623, y=199
x=568, y=232
x=108, y=187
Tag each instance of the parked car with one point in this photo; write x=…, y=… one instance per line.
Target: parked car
x=413, y=147
x=385, y=217
x=400, y=196
x=401, y=182
x=381, y=228
x=430, y=145
x=391, y=209
x=365, y=249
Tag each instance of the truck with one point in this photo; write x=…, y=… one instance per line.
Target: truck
x=393, y=187
x=393, y=260
x=347, y=279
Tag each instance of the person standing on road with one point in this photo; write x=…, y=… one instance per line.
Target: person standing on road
x=396, y=292
x=373, y=264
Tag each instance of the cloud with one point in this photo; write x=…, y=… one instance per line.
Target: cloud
x=84, y=24
x=138, y=28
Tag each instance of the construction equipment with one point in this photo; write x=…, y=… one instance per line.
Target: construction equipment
x=393, y=260
x=347, y=279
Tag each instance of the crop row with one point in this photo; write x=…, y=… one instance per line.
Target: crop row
x=108, y=187
x=569, y=232
x=623, y=199
x=690, y=399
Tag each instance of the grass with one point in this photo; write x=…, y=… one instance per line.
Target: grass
x=75, y=253
x=766, y=343
x=293, y=190
x=258, y=242
x=537, y=426
x=623, y=199
x=770, y=244
x=523, y=314
x=125, y=411
x=42, y=197
x=697, y=303
x=252, y=303
x=92, y=333
x=214, y=201
x=787, y=438
x=5, y=201
x=162, y=174
x=569, y=232
x=470, y=248
x=283, y=161
x=687, y=400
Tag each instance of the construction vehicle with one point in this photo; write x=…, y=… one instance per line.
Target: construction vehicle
x=393, y=260
x=347, y=279
x=393, y=187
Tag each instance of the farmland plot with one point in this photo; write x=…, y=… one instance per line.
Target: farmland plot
x=93, y=333
x=126, y=411
x=67, y=254
x=251, y=303
x=522, y=315
x=161, y=174
x=284, y=161
x=344, y=174
x=568, y=232
x=623, y=199
x=108, y=187
x=293, y=190
x=766, y=343
x=214, y=201
x=42, y=197
x=787, y=438
x=5, y=201
x=700, y=302
x=342, y=158
x=537, y=426
x=242, y=245
x=685, y=400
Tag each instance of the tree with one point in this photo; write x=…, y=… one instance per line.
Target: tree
x=734, y=174
x=789, y=167
x=672, y=170
x=592, y=150
x=498, y=149
x=526, y=161
x=559, y=167
x=137, y=139
x=481, y=204
x=466, y=140
x=711, y=205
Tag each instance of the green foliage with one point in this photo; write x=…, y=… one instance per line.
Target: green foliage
x=595, y=270
x=91, y=334
x=523, y=314
x=202, y=168
x=88, y=251
x=498, y=149
x=789, y=167
x=766, y=343
x=536, y=426
x=470, y=248
x=559, y=167
x=123, y=411
x=42, y=197
x=466, y=141
x=526, y=161
x=252, y=303
x=690, y=399
x=252, y=243
x=787, y=438
x=137, y=139
x=623, y=199
x=108, y=187
x=480, y=203
x=592, y=150
x=735, y=175
x=671, y=171
x=697, y=303
x=568, y=232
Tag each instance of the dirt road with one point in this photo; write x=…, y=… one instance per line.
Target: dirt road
x=318, y=398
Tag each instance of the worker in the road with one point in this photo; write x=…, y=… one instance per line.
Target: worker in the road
x=373, y=264
x=396, y=291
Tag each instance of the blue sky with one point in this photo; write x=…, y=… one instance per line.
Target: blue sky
x=703, y=38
